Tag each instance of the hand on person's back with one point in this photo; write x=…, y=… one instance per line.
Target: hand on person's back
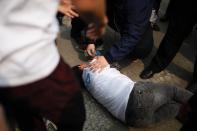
x=99, y=64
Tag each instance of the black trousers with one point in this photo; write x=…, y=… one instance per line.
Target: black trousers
x=182, y=20
x=170, y=7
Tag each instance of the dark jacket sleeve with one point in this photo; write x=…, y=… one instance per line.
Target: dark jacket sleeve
x=136, y=21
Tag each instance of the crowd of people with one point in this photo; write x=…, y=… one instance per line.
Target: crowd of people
x=37, y=85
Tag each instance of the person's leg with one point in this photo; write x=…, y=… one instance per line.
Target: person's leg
x=57, y=98
x=156, y=5
x=170, y=45
x=154, y=15
x=193, y=84
x=149, y=102
x=180, y=25
x=169, y=11
x=145, y=46
x=176, y=98
x=167, y=111
x=195, y=71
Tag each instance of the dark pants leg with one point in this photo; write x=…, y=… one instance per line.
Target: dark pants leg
x=150, y=103
x=170, y=8
x=57, y=98
x=180, y=25
x=156, y=5
x=195, y=71
x=144, y=47
x=192, y=86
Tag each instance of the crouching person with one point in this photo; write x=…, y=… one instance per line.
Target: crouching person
x=137, y=104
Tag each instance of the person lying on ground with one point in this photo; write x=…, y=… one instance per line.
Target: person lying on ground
x=137, y=104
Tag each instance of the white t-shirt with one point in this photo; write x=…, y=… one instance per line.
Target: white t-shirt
x=28, y=29
x=110, y=88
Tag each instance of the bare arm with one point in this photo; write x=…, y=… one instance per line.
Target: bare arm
x=93, y=13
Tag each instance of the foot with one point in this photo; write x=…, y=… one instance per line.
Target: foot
x=147, y=73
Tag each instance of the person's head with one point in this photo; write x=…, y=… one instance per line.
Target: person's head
x=93, y=13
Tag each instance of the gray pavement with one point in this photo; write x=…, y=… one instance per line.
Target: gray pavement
x=179, y=72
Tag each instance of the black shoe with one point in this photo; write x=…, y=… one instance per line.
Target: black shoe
x=147, y=73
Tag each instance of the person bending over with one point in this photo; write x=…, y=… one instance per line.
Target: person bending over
x=137, y=104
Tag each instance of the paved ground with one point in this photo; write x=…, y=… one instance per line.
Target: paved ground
x=179, y=72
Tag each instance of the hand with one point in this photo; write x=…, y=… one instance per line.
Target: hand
x=67, y=8
x=82, y=66
x=99, y=64
x=96, y=30
x=91, y=50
